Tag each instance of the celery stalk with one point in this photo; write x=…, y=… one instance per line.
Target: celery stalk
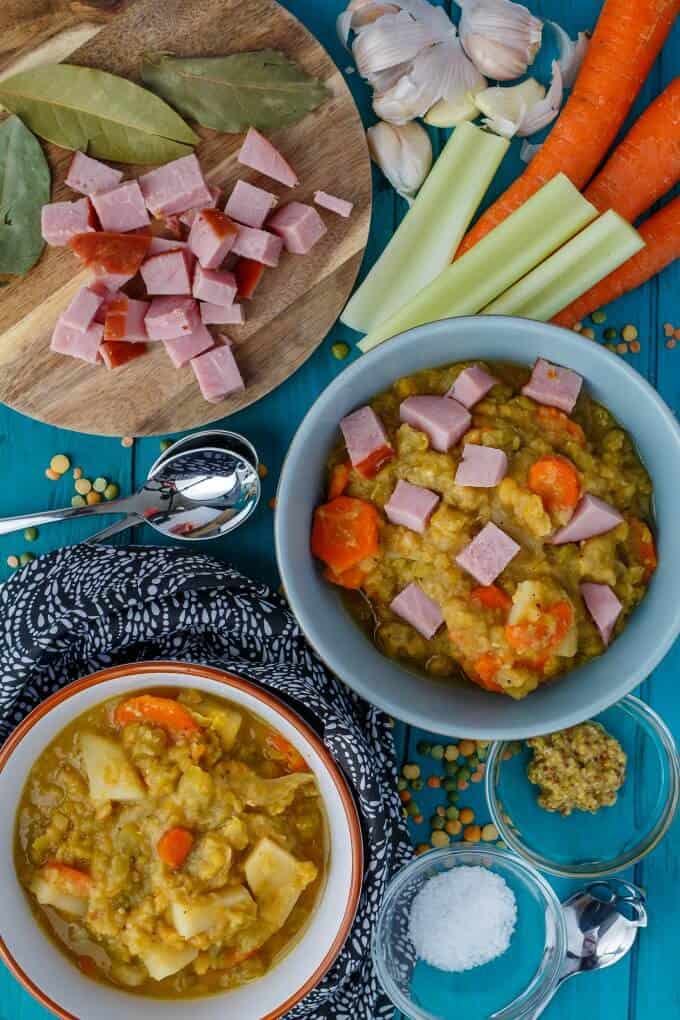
x=581, y=263
x=541, y=225
x=427, y=238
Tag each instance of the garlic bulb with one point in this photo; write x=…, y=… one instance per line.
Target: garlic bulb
x=521, y=109
x=359, y=13
x=500, y=37
x=403, y=153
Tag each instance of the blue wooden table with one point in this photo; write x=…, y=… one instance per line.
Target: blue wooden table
x=647, y=984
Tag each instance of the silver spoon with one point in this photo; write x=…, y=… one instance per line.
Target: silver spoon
x=602, y=924
x=195, y=494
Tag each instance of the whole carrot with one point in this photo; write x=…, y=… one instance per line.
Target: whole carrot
x=661, y=233
x=627, y=39
x=646, y=165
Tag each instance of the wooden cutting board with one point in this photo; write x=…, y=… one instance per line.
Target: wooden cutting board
x=295, y=304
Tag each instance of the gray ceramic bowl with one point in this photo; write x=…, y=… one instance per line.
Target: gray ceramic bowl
x=453, y=708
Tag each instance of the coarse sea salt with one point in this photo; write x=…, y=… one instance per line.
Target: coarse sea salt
x=466, y=899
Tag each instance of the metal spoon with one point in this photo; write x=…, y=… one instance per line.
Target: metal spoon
x=196, y=494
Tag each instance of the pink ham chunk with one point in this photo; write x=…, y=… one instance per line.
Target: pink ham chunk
x=171, y=317
x=188, y=217
x=160, y=244
x=175, y=187
x=471, y=386
x=418, y=609
x=82, y=310
x=250, y=205
x=217, y=286
x=60, y=221
x=182, y=350
x=591, y=517
x=366, y=441
x=168, y=272
x=443, y=419
x=222, y=315
x=217, y=374
x=259, y=245
x=488, y=554
x=603, y=606
x=337, y=205
x=554, y=386
x=212, y=237
x=411, y=506
x=298, y=225
x=78, y=343
x=122, y=209
x=89, y=176
x=125, y=320
x=482, y=467
x=259, y=154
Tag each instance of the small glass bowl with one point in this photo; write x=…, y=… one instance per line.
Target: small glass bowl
x=513, y=985
x=583, y=845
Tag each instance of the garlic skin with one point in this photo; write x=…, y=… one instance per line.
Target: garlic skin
x=500, y=37
x=571, y=53
x=521, y=109
x=403, y=153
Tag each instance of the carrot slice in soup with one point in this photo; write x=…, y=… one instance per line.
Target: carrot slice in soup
x=370, y=465
x=491, y=597
x=338, y=481
x=70, y=879
x=535, y=636
x=112, y=253
x=163, y=712
x=174, y=846
x=283, y=748
x=486, y=667
x=556, y=481
x=643, y=544
x=352, y=578
x=557, y=421
x=345, y=531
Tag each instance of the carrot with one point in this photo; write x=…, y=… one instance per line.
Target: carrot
x=248, y=274
x=646, y=164
x=643, y=544
x=556, y=481
x=115, y=353
x=111, y=253
x=543, y=634
x=491, y=597
x=556, y=421
x=486, y=667
x=345, y=531
x=339, y=480
x=661, y=234
x=283, y=748
x=626, y=41
x=174, y=847
x=72, y=880
x=164, y=712
x=352, y=578
x=369, y=466
x=87, y=965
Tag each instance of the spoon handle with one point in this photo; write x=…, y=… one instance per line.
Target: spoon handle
x=18, y=523
x=131, y=521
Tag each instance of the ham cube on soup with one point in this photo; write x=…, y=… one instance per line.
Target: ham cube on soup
x=366, y=441
x=411, y=506
x=217, y=373
x=591, y=517
x=418, y=609
x=88, y=175
x=603, y=606
x=258, y=245
x=298, y=225
x=169, y=272
x=249, y=204
x=259, y=154
x=212, y=237
x=184, y=348
x=60, y=221
x=444, y=420
x=171, y=316
x=122, y=209
x=175, y=187
x=82, y=310
x=552, y=385
x=482, y=467
x=488, y=554
x=471, y=386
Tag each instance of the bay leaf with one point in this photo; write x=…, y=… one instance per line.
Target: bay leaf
x=101, y=114
x=24, y=189
x=262, y=89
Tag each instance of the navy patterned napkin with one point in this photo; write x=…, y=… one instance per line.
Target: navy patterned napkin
x=83, y=608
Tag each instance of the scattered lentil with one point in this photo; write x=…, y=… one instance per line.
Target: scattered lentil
x=262, y=470
x=467, y=815
x=99, y=484
x=401, y=783
x=577, y=327
x=440, y=810
x=440, y=838
x=453, y=827
x=418, y=819
x=13, y=562
x=412, y=809
x=25, y=558
x=77, y=473
x=340, y=351
x=93, y=497
x=272, y=503
x=78, y=501
x=629, y=332
x=437, y=752
x=451, y=769
x=449, y=784
x=671, y=344
x=165, y=444
x=451, y=752
x=676, y=334
x=417, y=784
x=127, y=442
x=452, y=813
x=52, y=475
x=598, y=316
x=111, y=491
x=422, y=848
x=83, y=486
x=588, y=333
x=437, y=822
x=489, y=832
x=610, y=333
x=422, y=747
x=668, y=328
x=462, y=784
x=410, y=771
x=472, y=834
x=60, y=463
x=635, y=346
x=622, y=348
x=467, y=747
x=30, y=534
x=434, y=782
x=476, y=777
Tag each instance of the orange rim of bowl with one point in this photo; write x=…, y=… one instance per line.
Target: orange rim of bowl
x=229, y=680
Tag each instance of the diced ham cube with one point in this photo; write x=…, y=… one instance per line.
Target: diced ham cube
x=603, y=606
x=366, y=441
x=482, y=467
x=248, y=274
x=249, y=204
x=112, y=282
x=217, y=374
x=78, y=343
x=222, y=315
x=125, y=320
x=82, y=310
x=188, y=217
x=121, y=209
x=443, y=419
x=171, y=317
x=259, y=245
x=591, y=517
x=61, y=221
x=88, y=175
x=212, y=237
x=114, y=354
x=418, y=609
x=411, y=506
x=553, y=385
x=182, y=350
x=218, y=286
x=169, y=272
x=337, y=205
x=488, y=554
x=471, y=385
x=298, y=225
x=107, y=296
x=259, y=154
x=160, y=244
x=175, y=187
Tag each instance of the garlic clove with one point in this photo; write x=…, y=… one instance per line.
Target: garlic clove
x=509, y=102
x=500, y=37
x=391, y=39
x=403, y=153
x=449, y=112
x=571, y=53
x=359, y=13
